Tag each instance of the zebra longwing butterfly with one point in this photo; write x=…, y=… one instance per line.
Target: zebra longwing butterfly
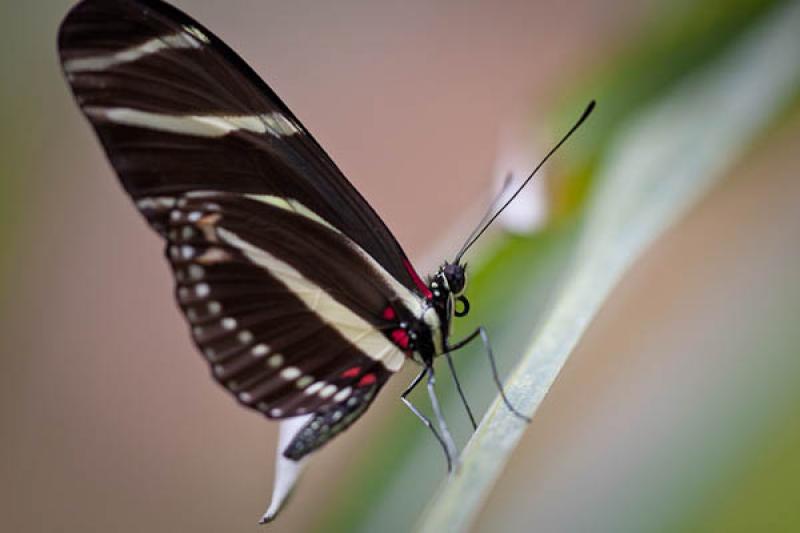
x=297, y=294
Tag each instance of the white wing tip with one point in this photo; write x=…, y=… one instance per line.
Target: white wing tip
x=269, y=516
x=287, y=472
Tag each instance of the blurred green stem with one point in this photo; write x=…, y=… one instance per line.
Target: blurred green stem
x=660, y=164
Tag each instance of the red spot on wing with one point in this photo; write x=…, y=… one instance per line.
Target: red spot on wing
x=351, y=372
x=400, y=338
x=368, y=379
x=389, y=313
x=417, y=280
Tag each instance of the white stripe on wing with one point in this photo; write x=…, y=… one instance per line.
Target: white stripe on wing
x=369, y=341
x=153, y=46
x=196, y=125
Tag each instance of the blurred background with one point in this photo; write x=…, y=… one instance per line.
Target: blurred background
x=679, y=410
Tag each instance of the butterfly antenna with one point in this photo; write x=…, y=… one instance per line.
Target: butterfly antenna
x=475, y=235
x=490, y=209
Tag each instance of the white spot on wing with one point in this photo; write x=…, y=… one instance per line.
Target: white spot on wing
x=290, y=372
x=304, y=382
x=342, y=394
x=245, y=337
x=146, y=203
x=157, y=202
x=327, y=391
x=313, y=389
x=202, y=290
x=196, y=272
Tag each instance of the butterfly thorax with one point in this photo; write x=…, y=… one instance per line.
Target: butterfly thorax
x=429, y=334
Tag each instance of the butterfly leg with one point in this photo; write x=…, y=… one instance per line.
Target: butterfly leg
x=460, y=391
x=482, y=333
x=424, y=419
x=450, y=445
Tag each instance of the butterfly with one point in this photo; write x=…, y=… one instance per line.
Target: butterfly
x=296, y=293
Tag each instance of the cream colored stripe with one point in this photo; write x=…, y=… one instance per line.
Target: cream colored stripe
x=153, y=46
x=411, y=301
x=291, y=205
x=352, y=327
x=195, y=125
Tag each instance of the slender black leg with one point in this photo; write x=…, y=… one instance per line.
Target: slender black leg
x=460, y=391
x=463, y=342
x=425, y=420
x=437, y=410
x=481, y=331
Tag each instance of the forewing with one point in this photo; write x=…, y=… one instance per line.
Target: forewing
x=283, y=270
x=177, y=110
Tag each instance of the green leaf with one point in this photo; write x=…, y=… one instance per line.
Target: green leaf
x=660, y=163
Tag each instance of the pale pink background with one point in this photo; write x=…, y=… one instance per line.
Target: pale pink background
x=110, y=420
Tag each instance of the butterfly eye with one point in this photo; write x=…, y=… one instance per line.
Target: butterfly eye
x=456, y=277
x=464, y=306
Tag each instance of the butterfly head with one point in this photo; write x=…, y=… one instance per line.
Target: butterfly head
x=455, y=275
x=448, y=286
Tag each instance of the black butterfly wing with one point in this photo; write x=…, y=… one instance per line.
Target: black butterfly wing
x=178, y=110
x=290, y=281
